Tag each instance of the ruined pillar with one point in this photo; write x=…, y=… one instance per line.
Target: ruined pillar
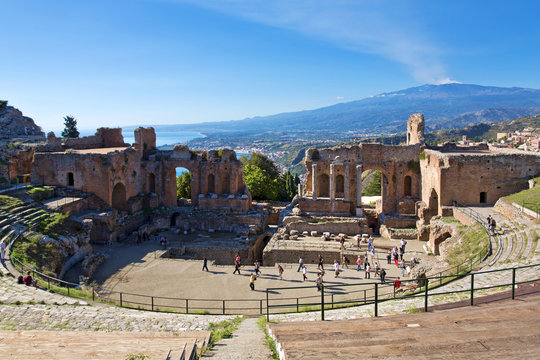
x=346, y=183
x=217, y=189
x=299, y=191
x=332, y=185
x=359, y=211
x=314, y=180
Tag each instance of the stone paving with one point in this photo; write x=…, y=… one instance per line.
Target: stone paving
x=28, y=308
x=248, y=342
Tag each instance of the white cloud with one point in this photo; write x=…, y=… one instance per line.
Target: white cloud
x=388, y=29
x=339, y=98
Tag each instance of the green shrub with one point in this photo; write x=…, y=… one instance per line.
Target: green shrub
x=3, y=104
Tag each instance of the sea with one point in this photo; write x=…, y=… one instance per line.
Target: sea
x=164, y=139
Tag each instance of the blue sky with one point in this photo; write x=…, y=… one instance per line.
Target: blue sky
x=130, y=62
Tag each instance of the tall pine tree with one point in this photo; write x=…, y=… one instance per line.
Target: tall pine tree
x=70, y=127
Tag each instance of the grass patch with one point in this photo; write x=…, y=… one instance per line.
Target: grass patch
x=413, y=310
x=223, y=329
x=529, y=198
x=54, y=225
x=474, y=240
x=9, y=202
x=37, y=254
x=139, y=356
x=261, y=322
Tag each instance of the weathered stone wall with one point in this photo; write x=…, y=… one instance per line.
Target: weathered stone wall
x=338, y=164
x=415, y=129
x=141, y=176
x=474, y=178
x=103, y=138
x=335, y=226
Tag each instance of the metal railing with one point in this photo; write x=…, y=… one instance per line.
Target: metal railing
x=357, y=294
x=375, y=293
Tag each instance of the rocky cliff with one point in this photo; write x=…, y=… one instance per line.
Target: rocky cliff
x=13, y=125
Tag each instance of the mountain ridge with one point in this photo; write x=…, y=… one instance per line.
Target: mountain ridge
x=444, y=106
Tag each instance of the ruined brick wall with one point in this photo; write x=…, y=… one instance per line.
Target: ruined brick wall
x=476, y=178
x=103, y=138
x=396, y=163
x=415, y=129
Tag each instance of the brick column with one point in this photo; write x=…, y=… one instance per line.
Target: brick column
x=216, y=180
x=346, y=183
x=332, y=185
x=314, y=180
x=359, y=190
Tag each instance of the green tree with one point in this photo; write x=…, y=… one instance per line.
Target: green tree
x=183, y=185
x=70, y=127
x=260, y=184
x=287, y=186
x=374, y=186
x=262, y=162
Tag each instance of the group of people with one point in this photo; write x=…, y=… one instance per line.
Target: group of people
x=361, y=262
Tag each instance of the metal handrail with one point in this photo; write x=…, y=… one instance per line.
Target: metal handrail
x=376, y=299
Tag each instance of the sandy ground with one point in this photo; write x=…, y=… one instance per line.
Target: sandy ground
x=139, y=269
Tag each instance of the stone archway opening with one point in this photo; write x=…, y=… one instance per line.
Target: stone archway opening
x=407, y=186
x=119, y=197
x=434, y=202
x=70, y=179
x=323, y=185
x=210, y=184
x=340, y=186
x=183, y=185
x=151, y=183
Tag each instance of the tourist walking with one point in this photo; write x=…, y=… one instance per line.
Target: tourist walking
x=257, y=269
x=304, y=272
x=383, y=275
x=403, y=243
x=402, y=267
x=204, y=263
x=236, y=268
x=401, y=252
x=280, y=271
x=345, y=262
x=377, y=269
x=389, y=257
x=321, y=261
x=358, y=263
x=368, y=270
x=336, y=268
x=300, y=264
x=319, y=281
x=252, y=279
x=397, y=283
x=396, y=258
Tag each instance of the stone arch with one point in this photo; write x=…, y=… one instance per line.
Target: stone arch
x=407, y=186
x=119, y=197
x=315, y=155
x=434, y=202
x=151, y=183
x=211, y=183
x=340, y=184
x=323, y=185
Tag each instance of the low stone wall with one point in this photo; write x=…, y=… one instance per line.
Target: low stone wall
x=325, y=206
x=221, y=203
x=276, y=256
x=215, y=254
x=353, y=227
x=463, y=218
